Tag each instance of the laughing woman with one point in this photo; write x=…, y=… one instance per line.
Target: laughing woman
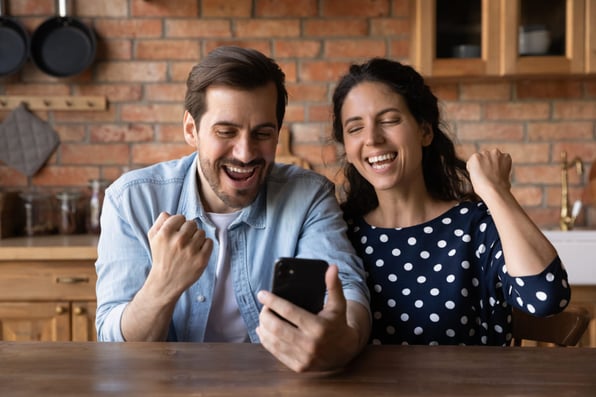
x=447, y=248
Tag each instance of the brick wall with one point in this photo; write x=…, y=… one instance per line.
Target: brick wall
x=146, y=48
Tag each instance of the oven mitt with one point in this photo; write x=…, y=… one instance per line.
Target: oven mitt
x=26, y=141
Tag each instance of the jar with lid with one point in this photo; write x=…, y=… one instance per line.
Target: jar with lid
x=68, y=212
x=38, y=212
x=97, y=189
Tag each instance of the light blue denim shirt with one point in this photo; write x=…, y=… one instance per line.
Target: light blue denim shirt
x=295, y=215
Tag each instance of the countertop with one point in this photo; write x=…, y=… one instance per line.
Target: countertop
x=53, y=247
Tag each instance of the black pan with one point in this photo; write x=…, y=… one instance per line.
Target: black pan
x=14, y=43
x=63, y=46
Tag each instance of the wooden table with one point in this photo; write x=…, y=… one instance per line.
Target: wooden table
x=186, y=369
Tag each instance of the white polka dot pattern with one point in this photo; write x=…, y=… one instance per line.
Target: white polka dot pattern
x=445, y=281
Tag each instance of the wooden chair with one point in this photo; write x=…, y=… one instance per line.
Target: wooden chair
x=562, y=329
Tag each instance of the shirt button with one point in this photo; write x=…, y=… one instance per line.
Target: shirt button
x=201, y=298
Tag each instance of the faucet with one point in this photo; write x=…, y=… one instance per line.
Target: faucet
x=568, y=215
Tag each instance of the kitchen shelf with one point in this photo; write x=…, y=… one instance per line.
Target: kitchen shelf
x=80, y=103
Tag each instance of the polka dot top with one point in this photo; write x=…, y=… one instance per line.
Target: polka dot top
x=445, y=281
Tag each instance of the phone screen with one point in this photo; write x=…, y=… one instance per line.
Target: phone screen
x=301, y=281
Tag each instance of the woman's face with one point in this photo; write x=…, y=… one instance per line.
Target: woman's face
x=381, y=137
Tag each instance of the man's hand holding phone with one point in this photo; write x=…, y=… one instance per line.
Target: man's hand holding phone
x=307, y=341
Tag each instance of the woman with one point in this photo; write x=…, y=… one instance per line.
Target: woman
x=447, y=248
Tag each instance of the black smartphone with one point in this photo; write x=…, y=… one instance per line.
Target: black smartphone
x=301, y=281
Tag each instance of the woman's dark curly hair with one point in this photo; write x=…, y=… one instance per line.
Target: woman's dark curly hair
x=445, y=174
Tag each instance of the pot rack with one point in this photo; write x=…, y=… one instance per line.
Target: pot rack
x=54, y=102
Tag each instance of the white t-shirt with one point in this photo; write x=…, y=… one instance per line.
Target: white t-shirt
x=225, y=324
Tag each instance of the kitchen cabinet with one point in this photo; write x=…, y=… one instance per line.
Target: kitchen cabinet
x=440, y=26
x=47, y=288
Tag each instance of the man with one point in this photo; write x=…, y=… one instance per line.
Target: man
x=187, y=246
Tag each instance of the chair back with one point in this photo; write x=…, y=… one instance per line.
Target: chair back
x=562, y=329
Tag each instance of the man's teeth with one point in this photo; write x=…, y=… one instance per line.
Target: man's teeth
x=382, y=157
x=240, y=170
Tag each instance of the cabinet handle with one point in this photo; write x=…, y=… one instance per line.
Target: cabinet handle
x=60, y=310
x=79, y=310
x=72, y=280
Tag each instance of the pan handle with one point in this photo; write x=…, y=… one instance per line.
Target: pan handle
x=62, y=8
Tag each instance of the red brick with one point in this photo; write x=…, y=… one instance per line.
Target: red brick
x=114, y=50
x=445, y=91
x=298, y=92
x=461, y=111
x=170, y=133
x=128, y=28
x=585, y=150
x=36, y=89
x=296, y=48
x=399, y=49
x=167, y=49
x=113, y=92
x=198, y=28
x=121, y=133
x=518, y=111
x=165, y=92
x=71, y=133
x=287, y=8
x=179, y=70
x=153, y=113
x=128, y=72
x=490, y=131
x=320, y=113
x=401, y=8
x=315, y=153
x=74, y=176
x=150, y=153
x=228, y=9
x=355, y=48
x=10, y=177
x=335, y=27
x=485, y=91
x=310, y=132
x=103, y=8
x=289, y=69
x=554, y=131
x=390, y=26
x=579, y=110
x=355, y=8
x=529, y=174
x=294, y=113
x=94, y=154
x=20, y=8
x=528, y=196
x=548, y=89
x=84, y=116
x=178, y=8
x=261, y=45
x=322, y=70
x=267, y=28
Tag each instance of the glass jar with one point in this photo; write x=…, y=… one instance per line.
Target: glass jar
x=68, y=212
x=38, y=212
x=97, y=190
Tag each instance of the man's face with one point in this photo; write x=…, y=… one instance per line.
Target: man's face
x=236, y=139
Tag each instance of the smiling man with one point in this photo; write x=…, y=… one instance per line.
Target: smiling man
x=187, y=246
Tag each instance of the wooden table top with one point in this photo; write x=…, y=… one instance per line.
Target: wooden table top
x=193, y=369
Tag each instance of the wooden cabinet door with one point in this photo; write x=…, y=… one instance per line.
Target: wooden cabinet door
x=83, y=321
x=35, y=321
x=570, y=62
x=423, y=54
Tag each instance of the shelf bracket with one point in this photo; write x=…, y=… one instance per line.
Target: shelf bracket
x=94, y=103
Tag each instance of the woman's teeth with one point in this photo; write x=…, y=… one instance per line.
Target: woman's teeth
x=377, y=161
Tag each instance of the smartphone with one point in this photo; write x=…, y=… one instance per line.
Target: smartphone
x=301, y=281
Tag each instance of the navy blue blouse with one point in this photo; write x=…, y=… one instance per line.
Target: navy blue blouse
x=445, y=281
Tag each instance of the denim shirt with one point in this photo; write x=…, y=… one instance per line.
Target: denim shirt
x=295, y=215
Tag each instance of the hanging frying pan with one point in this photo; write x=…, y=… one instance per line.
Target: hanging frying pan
x=14, y=43
x=63, y=46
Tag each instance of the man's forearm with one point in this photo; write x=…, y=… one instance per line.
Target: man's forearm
x=146, y=319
